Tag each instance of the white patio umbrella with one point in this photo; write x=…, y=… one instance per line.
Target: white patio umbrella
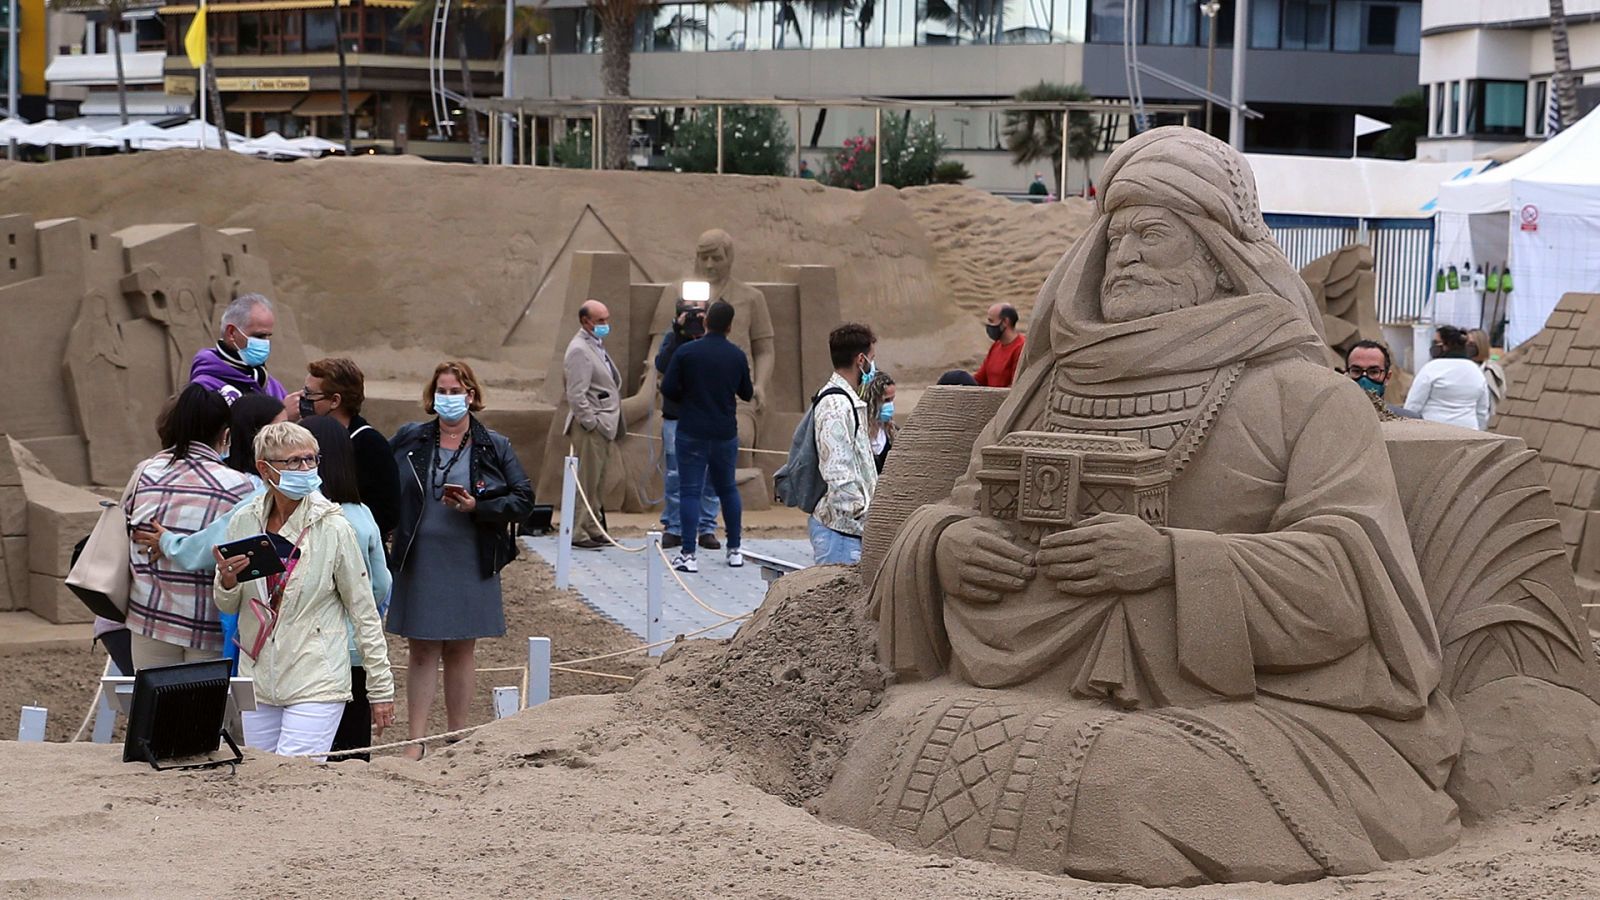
x=136, y=133
x=191, y=134
x=316, y=144
x=275, y=144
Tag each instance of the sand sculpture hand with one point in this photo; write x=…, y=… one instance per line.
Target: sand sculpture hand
x=978, y=562
x=759, y=398
x=1108, y=553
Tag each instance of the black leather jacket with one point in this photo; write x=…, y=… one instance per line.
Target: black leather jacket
x=501, y=487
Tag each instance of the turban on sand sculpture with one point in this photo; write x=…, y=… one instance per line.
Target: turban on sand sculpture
x=1170, y=622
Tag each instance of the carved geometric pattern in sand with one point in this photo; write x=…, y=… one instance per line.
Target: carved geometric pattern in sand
x=960, y=774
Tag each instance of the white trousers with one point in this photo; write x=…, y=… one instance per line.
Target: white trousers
x=301, y=729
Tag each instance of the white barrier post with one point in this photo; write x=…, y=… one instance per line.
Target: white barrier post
x=538, y=670
x=569, y=511
x=31, y=729
x=105, y=715
x=507, y=700
x=655, y=575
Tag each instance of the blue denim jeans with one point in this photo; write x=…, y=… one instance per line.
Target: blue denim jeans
x=831, y=547
x=709, y=505
x=700, y=461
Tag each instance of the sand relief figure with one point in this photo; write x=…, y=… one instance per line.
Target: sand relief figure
x=752, y=327
x=1170, y=625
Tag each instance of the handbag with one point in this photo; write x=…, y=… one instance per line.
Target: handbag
x=102, y=572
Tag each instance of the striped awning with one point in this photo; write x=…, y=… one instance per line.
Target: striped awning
x=326, y=103
x=263, y=102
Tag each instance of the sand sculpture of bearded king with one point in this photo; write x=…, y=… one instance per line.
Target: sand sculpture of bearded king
x=1171, y=622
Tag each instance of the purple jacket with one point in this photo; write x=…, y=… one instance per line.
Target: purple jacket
x=221, y=370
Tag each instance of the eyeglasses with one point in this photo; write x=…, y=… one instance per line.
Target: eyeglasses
x=314, y=397
x=1373, y=372
x=297, y=464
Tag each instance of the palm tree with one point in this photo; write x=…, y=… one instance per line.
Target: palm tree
x=421, y=15
x=1562, y=83
x=1035, y=134
x=113, y=10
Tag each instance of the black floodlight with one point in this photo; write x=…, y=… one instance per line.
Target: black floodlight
x=538, y=521
x=177, y=713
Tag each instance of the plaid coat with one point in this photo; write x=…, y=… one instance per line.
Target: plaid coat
x=184, y=496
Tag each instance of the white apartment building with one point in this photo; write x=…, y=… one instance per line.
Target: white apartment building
x=83, y=74
x=1486, y=67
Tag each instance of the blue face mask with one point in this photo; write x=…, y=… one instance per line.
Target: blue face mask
x=450, y=407
x=600, y=331
x=1374, y=387
x=256, y=350
x=297, y=485
x=870, y=373
x=886, y=414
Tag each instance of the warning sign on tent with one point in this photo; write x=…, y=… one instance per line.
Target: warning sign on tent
x=1530, y=217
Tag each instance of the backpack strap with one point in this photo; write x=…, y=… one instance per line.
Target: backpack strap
x=840, y=392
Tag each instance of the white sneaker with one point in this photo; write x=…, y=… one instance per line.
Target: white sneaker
x=735, y=558
x=685, y=563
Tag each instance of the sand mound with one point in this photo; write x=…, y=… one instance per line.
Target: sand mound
x=439, y=260
x=989, y=249
x=785, y=694
x=643, y=794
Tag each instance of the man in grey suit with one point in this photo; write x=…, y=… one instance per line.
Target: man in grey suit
x=594, y=414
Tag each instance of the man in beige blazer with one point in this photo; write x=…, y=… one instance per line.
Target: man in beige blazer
x=594, y=414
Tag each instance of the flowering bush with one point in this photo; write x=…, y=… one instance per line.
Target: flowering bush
x=912, y=152
x=755, y=141
x=575, y=149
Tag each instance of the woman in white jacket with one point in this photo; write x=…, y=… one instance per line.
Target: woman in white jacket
x=1451, y=388
x=292, y=635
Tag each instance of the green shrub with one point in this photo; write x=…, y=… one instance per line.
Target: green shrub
x=755, y=141
x=575, y=150
x=950, y=171
x=912, y=152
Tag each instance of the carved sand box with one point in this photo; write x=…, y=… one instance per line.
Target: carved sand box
x=1554, y=405
x=1192, y=614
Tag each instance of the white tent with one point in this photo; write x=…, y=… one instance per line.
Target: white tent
x=1538, y=214
x=192, y=134
x=275, y=145
x=316, y=145
x=1354, y=188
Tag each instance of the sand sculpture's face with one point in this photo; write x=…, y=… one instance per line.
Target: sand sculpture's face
x=1155, y=263
x=714, y=263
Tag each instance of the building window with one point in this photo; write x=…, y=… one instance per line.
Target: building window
x=1307, y=25
x=1453, y=126
x=1539, y=111
x=1497, y=107
x=322, y=32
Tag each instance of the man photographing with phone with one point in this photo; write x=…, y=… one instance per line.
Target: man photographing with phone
x=688, y=325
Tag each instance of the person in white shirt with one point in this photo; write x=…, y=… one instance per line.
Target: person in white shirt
x=844, y=449
x=1451, y=388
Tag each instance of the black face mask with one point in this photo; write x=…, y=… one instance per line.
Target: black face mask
x=307, y=407
x=993, y=331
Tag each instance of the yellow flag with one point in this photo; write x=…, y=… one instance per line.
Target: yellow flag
x=194, y=43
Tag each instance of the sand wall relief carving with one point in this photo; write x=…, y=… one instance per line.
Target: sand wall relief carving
x=100, y=327
x=1192, y=613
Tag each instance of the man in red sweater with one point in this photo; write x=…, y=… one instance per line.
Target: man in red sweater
x=999, y=367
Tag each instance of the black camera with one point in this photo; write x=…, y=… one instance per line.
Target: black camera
x=693, y=318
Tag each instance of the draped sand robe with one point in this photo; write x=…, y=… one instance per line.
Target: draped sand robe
x=1296, y=634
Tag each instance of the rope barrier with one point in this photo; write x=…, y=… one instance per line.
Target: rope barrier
x=647, y=647
x=783, y=453
x=698, y=602
x=596, y=518
x=460, y=732
x=590, y=673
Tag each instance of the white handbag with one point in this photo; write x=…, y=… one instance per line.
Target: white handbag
x=102, y=575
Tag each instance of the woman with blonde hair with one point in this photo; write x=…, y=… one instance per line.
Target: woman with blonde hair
x=462, y=494
x=1494, y=374
x=292, y=625
x=879, y=394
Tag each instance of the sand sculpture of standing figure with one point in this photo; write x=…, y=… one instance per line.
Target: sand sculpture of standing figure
x=752, y=323
x=1227, y=671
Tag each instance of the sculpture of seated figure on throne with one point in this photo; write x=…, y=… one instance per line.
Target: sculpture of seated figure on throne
x=1176, y=586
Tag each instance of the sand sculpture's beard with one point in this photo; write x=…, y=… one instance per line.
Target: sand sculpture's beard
x=1137, y=290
